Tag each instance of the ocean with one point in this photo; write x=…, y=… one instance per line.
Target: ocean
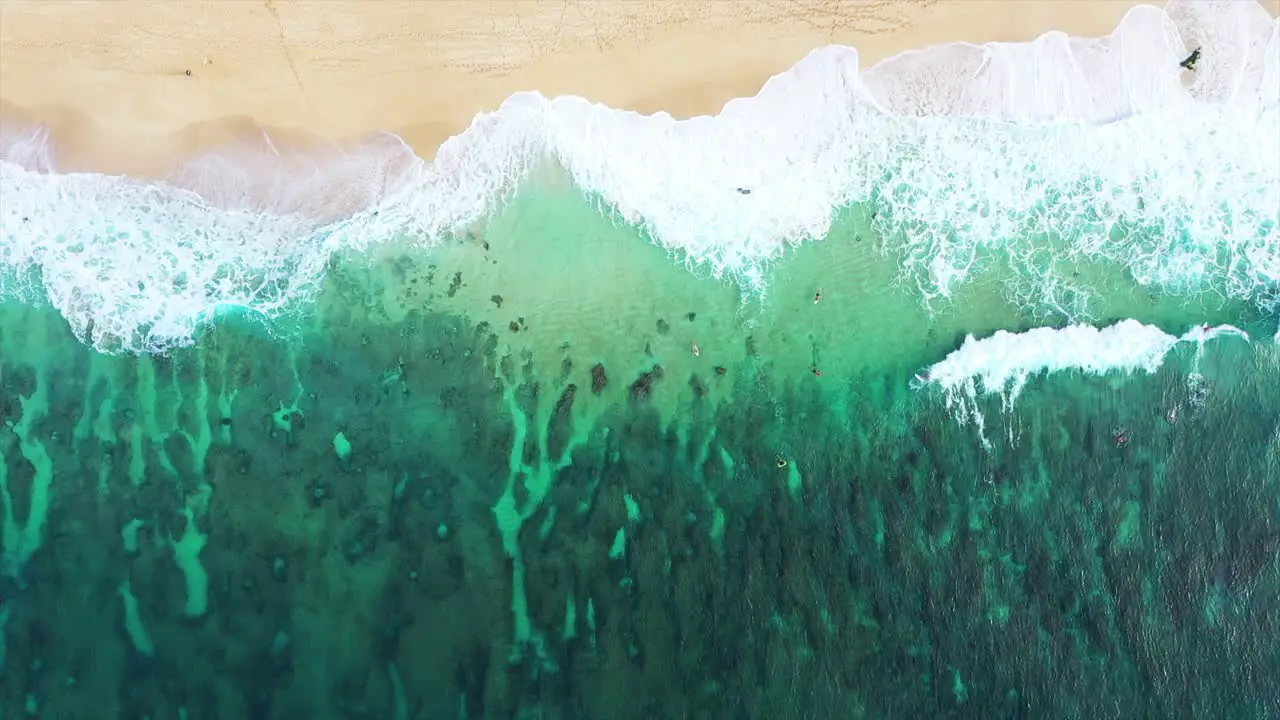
x=942, y=388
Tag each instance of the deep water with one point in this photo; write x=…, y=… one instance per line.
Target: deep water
x=412, y=517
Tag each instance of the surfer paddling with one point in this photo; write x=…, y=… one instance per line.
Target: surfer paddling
x=696, y=351
x=817, y=297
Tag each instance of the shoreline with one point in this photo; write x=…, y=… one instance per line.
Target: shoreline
x=802, y=148
x=329, y=79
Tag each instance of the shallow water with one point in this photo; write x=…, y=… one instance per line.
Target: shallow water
x=495, y=481
x=940, y=389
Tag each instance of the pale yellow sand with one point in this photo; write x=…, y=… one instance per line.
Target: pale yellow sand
x=110, y=76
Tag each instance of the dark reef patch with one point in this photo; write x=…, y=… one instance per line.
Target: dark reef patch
x=796, y=549
x=643, y=385
x=599, y=379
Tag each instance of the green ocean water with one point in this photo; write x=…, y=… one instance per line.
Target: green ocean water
x=494, y=480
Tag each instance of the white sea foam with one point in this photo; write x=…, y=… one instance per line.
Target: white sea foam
x=1003, y=363
x=964, y=149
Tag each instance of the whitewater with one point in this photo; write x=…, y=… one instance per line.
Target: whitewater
x=1002, y=364
x=1100, y=149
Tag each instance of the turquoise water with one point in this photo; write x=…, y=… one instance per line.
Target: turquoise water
x=945, y=388
x=493, y=480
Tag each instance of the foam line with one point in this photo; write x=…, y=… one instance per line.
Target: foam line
x=1003, y=363
x=963, y=149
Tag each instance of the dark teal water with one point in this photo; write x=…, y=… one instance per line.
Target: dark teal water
x=434, y=511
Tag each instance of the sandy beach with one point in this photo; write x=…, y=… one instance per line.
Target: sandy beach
x=817, y=410
x=186, y=76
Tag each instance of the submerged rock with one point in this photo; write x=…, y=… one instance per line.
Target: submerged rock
x=643, y=386
x=565, y=403
x=599, y=380
x=699, y=387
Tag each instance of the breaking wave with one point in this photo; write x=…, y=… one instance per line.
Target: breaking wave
x=1098, y=149
x=1002, y=364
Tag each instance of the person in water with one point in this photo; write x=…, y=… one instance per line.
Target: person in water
x=1190, y=62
